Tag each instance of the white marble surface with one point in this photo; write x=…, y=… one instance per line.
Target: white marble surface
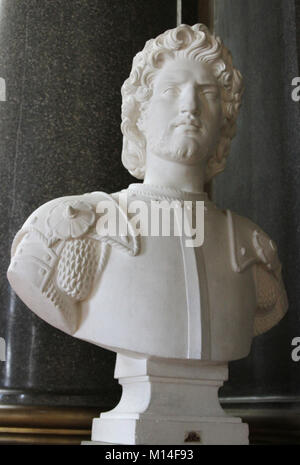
x=169, y=402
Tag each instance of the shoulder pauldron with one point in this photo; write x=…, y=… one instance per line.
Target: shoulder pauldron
x=250, y=245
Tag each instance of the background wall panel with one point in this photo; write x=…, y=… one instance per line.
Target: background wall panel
x=261, y=180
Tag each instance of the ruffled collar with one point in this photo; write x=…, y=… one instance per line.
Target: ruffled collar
x=164, y=193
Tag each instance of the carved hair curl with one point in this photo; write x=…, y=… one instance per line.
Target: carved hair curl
x=196, y=43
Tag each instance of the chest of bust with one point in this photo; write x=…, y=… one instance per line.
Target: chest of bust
x=174, y=301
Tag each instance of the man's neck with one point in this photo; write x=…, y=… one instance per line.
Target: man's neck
x=160, y=172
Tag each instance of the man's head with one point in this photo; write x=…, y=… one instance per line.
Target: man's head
x=181, y=101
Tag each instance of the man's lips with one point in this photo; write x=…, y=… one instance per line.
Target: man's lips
x=188, y=124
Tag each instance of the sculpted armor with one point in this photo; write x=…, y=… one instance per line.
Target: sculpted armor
x=175, y=314
x=62, y=258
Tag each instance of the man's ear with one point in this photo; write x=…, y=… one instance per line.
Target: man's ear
x=141, y=123
x=223, y=117
x=142, y=119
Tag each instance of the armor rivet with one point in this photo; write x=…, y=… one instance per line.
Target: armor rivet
x=243, y=251
x=71, y=212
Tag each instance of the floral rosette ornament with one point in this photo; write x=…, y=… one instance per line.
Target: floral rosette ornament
x=71, y=219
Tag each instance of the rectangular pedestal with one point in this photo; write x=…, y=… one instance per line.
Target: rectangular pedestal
x=206, y=431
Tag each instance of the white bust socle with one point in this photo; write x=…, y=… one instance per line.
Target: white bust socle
x=175, y=314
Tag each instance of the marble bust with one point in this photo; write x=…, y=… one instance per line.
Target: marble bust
x=170, y=312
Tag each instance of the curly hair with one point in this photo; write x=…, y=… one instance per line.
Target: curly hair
x=195, y=43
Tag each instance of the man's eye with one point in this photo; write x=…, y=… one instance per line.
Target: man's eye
x=171, y=91
x=209, y=92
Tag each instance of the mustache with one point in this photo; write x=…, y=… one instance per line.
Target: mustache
x=188, y=119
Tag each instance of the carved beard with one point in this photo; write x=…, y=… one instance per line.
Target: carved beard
x=180, y=148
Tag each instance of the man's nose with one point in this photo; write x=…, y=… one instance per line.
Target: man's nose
x=189, y=102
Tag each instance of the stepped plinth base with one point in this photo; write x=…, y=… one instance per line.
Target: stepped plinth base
x=168, y=402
